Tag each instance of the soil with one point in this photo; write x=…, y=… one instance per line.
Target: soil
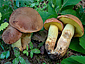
x=41, y=58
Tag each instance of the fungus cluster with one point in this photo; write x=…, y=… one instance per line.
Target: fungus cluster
x=22, y=22
x=73, y=27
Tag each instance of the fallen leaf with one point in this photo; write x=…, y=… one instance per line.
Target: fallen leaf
x=40, y=36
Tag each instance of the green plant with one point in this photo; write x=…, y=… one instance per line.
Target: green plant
x=2, y=46
x=74, y=60
x=18, y=57
x=44, y=63
x=41, y=44
x=37, y=5
x=32, y=50
x=3, y=25
x=4, y=55
x=26, y=51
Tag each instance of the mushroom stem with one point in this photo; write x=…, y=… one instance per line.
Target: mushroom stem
x=64, y=40
x=51, y=39
x=25, y=39
x=17, y=44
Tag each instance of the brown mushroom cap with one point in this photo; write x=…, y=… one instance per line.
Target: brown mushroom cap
x=11, y=35
x=73, y=20
x=53, y=21
x=26, y=20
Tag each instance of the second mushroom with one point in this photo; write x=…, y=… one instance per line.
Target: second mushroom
x=73, y=27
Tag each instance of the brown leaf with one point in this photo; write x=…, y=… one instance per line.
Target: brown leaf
x=40, y=36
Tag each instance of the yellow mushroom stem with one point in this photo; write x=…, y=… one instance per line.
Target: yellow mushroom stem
x=51, y=39
x=64, y=40
x=17, y=44
x=23, y=41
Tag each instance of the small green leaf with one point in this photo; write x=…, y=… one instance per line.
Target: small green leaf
x=51, y=9
x=59, y=4
x=31, y=53
x=2, y=56
x=26, y=47
x=52, y=16
x=44, y=63
x=69, y=11
x=16, y=52
x=37, y=51
x=32, y=5
x=41, y=44
x=70, y=2
x=44, y=15
x=3, y=26
x=82, y=41
x=22, y=61
x=17, y=3
x=69, y=61
x=26, y=52
x=68, y=7
x=16, y=61
x=80, y=59
x=31, y=45
x=74, y=45
x=7, y=54
x=2, y=46
x=8, y=63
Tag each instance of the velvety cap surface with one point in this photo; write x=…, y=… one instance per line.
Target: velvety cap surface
x=26, y=20
x=11, y=35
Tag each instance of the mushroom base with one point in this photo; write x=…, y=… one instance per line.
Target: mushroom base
x=17, y=44
x=23, y=41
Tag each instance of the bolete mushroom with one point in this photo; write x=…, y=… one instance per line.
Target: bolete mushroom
x=12, y=35
x=53, y=26
x=26, y=20
x=73, y=27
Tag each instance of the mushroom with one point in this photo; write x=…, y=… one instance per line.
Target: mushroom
x=53, y=26
x=26, y=20
x=12, y=35
x=73, y=27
